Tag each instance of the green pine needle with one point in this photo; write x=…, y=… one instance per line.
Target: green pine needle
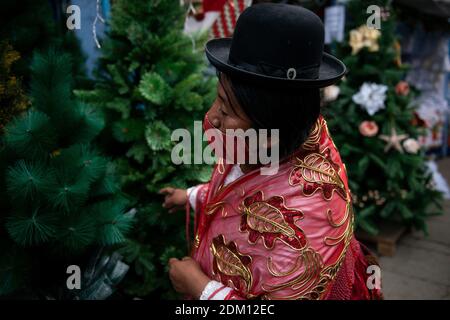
x=31, y=230
x=155, y=89
x=138, y=152
x=25, y=180
x=51, y=82
x=67, y=194
x=128, y=130
x=31, y=135
x=91, y=123
x=77, y=232
x=113, y=223
x=158, y=137
x=81, y=160
x=106, y=185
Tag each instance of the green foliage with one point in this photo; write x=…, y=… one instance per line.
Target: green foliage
x=58, y=195
x=35, y=25
x=155, y=89
x=31, y=134
x=12, y=98
x=150, y=82
x=157, y=135
x=386, y=185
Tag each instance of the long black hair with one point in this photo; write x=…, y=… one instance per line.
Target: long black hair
x=291, y=110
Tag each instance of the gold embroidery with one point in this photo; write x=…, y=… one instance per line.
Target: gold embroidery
x=312, y=263
x=197, y=241
x=314, y=280
x=313, y=139
x=318, y=173
x=328, y=133
x=213, y=207
x=277, y=273
x=332, y=241
x=271, y=220
x=232, y=266
x=229, y=264
x=263, y=217
x=344, y=219
x=329, y=273
x=316, y=168
x=312, y=284
x=270, y=217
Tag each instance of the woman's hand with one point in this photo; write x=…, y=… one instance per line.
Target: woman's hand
x=187, y=277
x=175, y=199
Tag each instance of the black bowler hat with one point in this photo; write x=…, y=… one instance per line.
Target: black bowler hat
x=277, y=44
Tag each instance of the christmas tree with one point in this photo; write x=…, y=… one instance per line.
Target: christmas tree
x=372, y=123
x=59, y=197
x=31, y=25
x=150, y=82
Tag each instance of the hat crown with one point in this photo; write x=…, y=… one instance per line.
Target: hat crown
x=278, y=40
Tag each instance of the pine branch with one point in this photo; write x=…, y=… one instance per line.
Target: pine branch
x=113, y=223
x=80, y=160
x=51, y=82
x=77, y=231
x=25, y=180
x=67, y=193
x=31, y=135
x=31, y=230
x=155, y=89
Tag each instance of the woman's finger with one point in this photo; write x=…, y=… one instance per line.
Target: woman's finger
x=166, y=190
x=172, y=260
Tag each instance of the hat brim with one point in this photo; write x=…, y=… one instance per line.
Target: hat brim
x=330, y=71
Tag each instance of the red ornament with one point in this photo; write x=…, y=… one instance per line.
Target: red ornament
x=368, y=128
x=402, y=88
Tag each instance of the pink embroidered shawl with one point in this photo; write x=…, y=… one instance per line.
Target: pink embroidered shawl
x=283, y=236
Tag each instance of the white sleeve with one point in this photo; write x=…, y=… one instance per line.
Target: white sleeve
x=215, y=290
x=192, y=195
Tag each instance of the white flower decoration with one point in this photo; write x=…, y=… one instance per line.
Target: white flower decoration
x=371, y=97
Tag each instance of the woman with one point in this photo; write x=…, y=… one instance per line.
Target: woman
x=288, y=235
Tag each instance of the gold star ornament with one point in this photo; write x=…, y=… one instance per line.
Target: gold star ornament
x=393, y=141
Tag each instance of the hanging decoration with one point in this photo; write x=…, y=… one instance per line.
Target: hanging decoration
x=368, y=128
x=94, y=25
x=371, y=97
x=393, y=140
x=364, y=37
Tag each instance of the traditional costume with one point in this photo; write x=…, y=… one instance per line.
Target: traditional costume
x=282, y=236
x=288, y=235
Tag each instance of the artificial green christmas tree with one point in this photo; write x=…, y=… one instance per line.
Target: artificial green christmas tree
x=372, y=123
x=150, y=83
x=58, y=194
x=31, y=25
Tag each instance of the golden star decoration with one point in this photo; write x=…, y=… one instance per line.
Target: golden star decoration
x=394, y=140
